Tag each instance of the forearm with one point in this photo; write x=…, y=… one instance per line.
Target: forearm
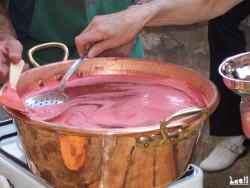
x=114, y=30
x=180, y=12
x=6, y=26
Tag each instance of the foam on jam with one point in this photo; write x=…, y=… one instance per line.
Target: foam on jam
x=120, y=101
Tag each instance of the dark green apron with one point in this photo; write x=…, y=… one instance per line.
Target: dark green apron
x=61, y=21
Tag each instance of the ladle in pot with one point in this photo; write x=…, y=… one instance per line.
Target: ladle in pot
x=56, y=97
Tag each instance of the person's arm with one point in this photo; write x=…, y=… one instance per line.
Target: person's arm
x=6, y=26
x=180, y=12
x=113, y=30
x=10, y=48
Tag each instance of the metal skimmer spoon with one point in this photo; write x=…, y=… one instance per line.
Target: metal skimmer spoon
x=56, y=97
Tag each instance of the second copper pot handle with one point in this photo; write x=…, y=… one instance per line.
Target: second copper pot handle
x=177, y=132
x=45, y=46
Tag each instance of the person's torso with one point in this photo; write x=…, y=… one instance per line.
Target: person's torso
x=41, y=21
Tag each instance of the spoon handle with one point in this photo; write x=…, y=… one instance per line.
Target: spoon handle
x=70, y=72
x=15, y=72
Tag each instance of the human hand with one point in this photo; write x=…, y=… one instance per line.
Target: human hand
x=10, y=51
x=121, y=51
x=110, y=31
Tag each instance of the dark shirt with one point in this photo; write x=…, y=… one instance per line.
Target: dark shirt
x=21, y=13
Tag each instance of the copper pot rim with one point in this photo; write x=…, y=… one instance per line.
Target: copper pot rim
x=169, y=127
x=104, y=131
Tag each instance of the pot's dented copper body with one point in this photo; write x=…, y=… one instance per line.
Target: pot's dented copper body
x=131, y=157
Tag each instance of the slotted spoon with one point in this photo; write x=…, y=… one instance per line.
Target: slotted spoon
x=55, y=97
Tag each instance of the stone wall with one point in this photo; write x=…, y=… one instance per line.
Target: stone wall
x=188, y=46
x=183, y=45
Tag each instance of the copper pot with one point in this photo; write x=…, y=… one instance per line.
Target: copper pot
x=124, y=157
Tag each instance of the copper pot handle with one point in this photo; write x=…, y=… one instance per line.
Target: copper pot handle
x=45, y=46
x=177, y=132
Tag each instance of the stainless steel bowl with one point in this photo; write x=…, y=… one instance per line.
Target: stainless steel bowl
x=235, y=71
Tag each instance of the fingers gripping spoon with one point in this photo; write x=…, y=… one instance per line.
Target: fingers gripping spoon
x=9, y=97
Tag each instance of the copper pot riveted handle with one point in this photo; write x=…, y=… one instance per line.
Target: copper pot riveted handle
x=45, y=46
x=178, y=131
